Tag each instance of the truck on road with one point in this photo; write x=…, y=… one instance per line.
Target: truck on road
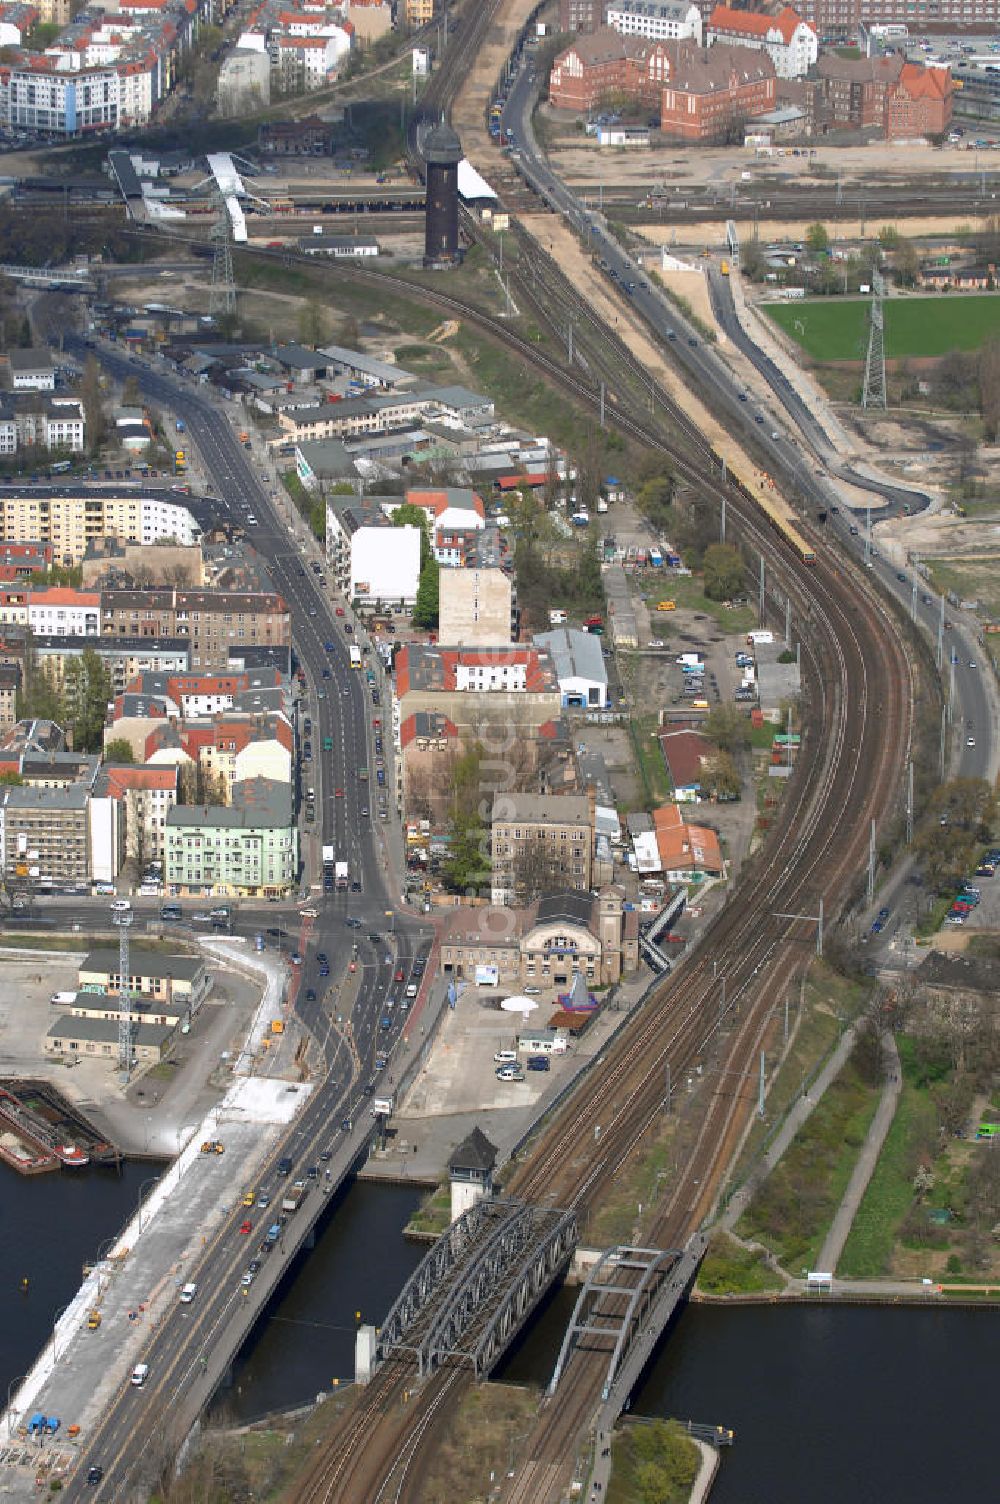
x=355, y=656
x=295, y=1196
x=340, y=875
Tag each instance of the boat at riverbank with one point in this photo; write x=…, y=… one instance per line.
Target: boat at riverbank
x=30, y=1144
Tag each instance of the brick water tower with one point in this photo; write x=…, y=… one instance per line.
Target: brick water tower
x=442, y=154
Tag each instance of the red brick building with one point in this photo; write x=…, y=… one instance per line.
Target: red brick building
x=898, y=99
x=920, y=104
x=711, y=90
x=605, y=63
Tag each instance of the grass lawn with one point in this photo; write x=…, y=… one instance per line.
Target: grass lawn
x=652, y=1463
x=793, y=1209
x=837, y=328
x=728, y=1269
x=649, y=758
x=521, y=395
x=825, y=995
x=970, y=579
x=687, y=592
x=480, y=1442
x=869, y=1247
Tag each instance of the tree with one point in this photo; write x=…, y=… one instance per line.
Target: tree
x=88, y=690
x=720, y=776
x=93, y=403
x=654, y=498
x=723, y=568
x=131, y=395
x=817, y=238
x=906, y=263
x=314, y=325
x=728, y=728
x=427, y=604
x=537, y=871
x=118, y=750
x=989, y=388
x=466, y=868
x=409, y=515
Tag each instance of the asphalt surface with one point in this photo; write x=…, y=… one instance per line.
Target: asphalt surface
x=338, y=702
x=799, y=457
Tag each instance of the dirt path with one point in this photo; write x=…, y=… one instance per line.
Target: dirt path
x=553, y=235
x=469, y=110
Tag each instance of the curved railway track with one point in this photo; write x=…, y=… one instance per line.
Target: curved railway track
x=858, y=679
x=856, y=671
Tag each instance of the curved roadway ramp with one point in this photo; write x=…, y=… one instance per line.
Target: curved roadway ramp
x=629, y=1299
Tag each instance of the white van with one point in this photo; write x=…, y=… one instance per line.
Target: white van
x=505, y=1057
x=121, y=906
x=188, y=1293
x=140, y=1374
x=63, y=999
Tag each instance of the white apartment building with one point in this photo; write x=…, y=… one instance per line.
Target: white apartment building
x=63, y=612
x=790, y=43
x=658, y=20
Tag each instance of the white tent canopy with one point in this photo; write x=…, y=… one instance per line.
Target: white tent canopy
x=518, y=1005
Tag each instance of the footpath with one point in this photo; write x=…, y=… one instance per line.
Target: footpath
x=843, y=1220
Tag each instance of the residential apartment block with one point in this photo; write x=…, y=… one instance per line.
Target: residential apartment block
x=214, y=622
x=106, y=70
x=552, y=833
x=790, y=42
x=45, y=836
x=370, y=559
x=656, y=20
x=249, y=849
x=71, y=521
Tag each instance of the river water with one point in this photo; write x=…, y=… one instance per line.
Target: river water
x=53, y=1225
x=829, y=1403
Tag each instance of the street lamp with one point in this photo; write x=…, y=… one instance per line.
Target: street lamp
x=153, y=1180
x=10, y=1416
x=55, y=1322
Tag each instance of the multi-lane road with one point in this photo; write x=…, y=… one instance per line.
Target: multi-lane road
x=785, y=434
x=355, y=925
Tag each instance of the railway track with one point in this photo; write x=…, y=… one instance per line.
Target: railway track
x=858, y=684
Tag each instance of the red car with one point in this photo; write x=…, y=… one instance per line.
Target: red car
x=377, y=724
x=246, y=1226
x=399, y=975
x=340, y=610
x=338, y=793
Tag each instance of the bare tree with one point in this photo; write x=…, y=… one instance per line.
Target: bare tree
x=989, y=388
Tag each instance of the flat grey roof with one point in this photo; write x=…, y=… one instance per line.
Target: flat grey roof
x=105, y=1030
x=354, y=360
x=576, y=654
x=144, y=963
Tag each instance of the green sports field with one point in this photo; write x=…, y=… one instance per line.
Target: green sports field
x=837, y=328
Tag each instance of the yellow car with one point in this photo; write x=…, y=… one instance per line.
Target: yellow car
x=249, y=1198
x=93, y=1321
x=667, y=606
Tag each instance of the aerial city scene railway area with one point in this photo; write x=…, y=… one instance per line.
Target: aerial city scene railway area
x=499, y=741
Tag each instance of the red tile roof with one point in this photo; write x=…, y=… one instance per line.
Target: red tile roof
x=751, y=23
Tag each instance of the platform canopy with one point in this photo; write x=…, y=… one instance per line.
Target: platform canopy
x=471, y=187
